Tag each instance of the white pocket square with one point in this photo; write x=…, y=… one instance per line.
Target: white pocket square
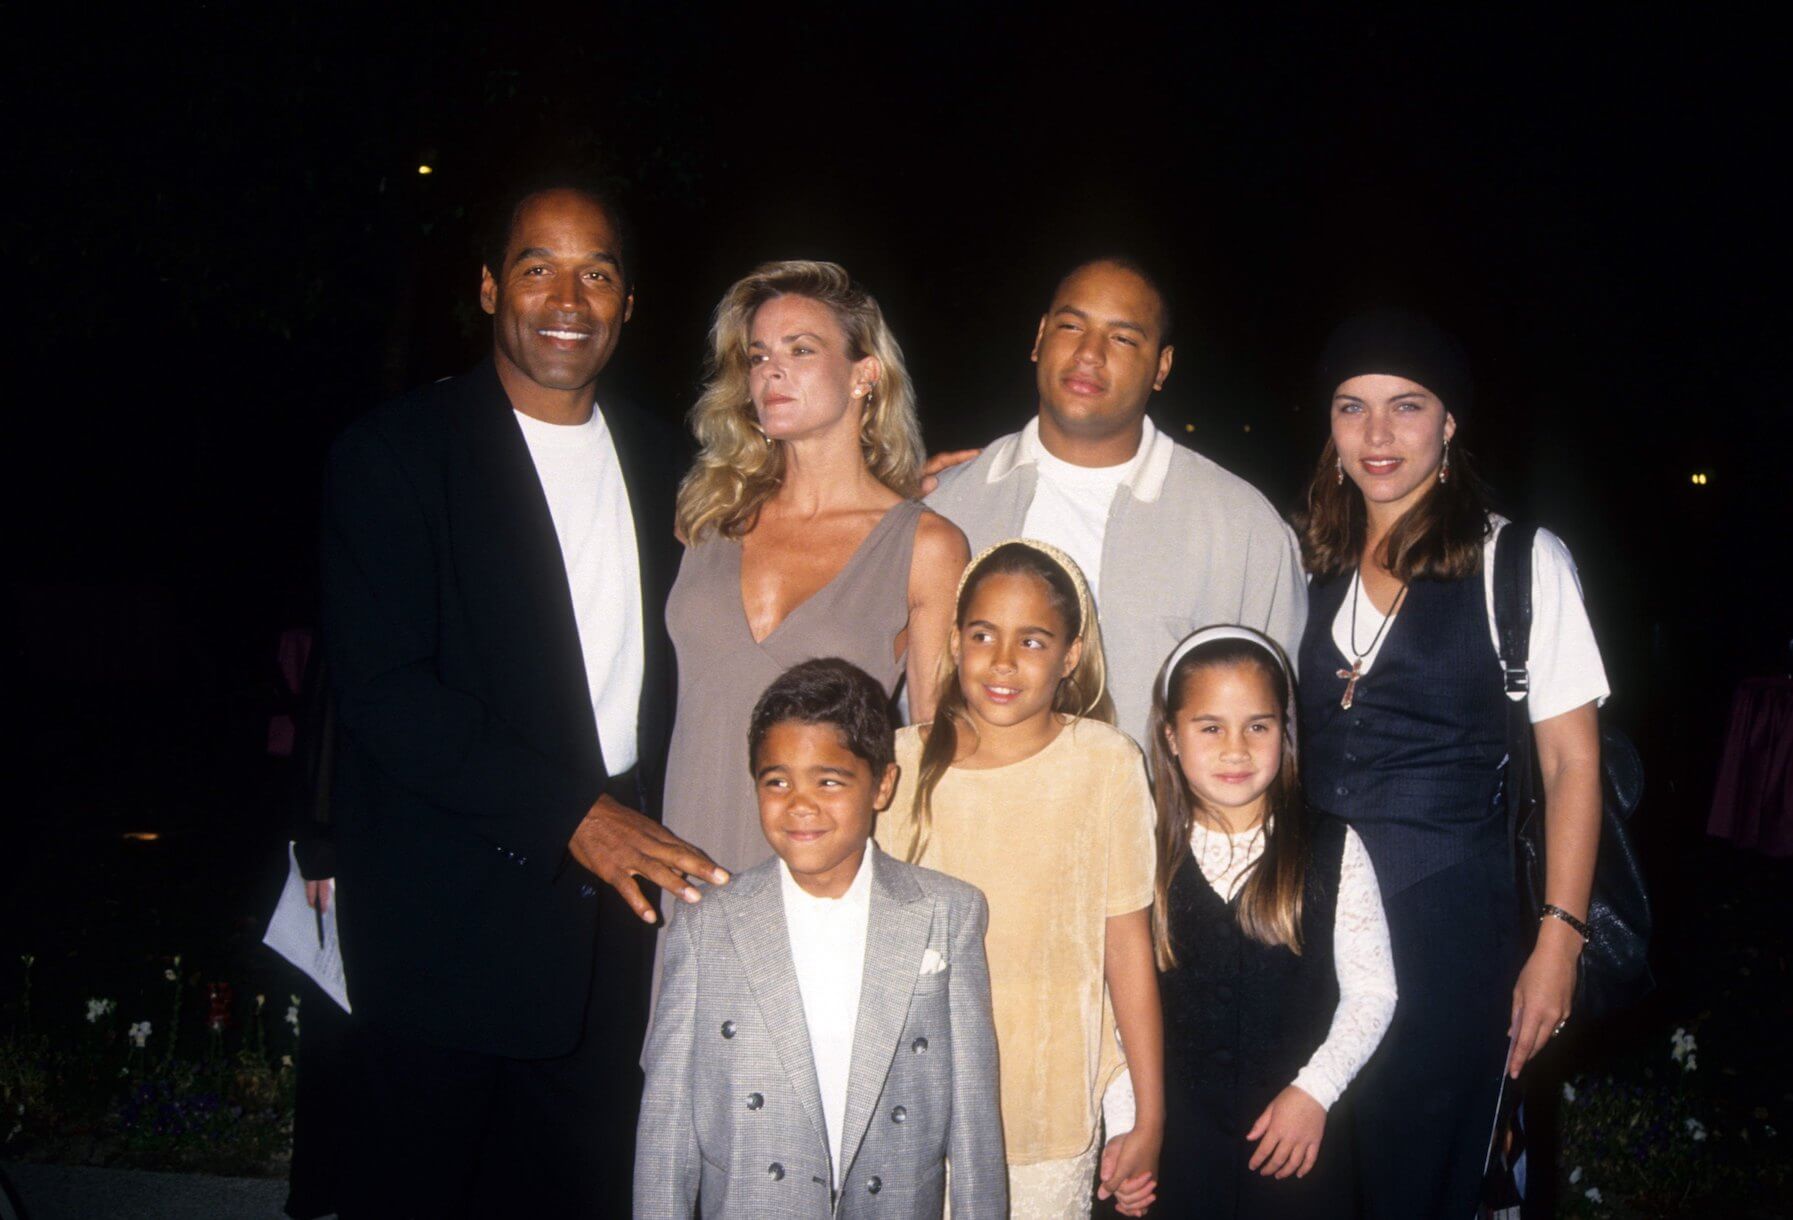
x=932, y=962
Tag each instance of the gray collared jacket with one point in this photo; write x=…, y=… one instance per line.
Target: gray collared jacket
x=1188, y=545
x=732, y=1113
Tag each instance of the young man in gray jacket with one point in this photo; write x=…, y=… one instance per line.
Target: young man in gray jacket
x=1167, y=539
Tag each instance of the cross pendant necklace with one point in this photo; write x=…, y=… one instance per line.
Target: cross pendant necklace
x=1356, y=671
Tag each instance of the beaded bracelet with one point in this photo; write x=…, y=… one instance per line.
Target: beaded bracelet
x=1553, y=911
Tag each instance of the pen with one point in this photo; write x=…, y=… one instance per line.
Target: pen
x=317, y=909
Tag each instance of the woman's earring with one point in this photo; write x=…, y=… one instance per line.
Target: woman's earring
x=1340, y=463
x=1444, y=469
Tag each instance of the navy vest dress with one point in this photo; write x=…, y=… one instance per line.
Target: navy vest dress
x=1414, y=766
x=1241, y=1019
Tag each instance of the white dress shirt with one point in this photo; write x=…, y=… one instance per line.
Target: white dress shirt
x=828, y=950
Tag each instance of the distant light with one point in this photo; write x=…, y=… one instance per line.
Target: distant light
x=426, y=169
x=1189, y=427
x=1248, y=427
x=1700, y=478
x=141, y=836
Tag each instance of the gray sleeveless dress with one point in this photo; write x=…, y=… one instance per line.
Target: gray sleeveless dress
x=722, y=670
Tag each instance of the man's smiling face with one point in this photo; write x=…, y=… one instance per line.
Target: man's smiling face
x=559, y=301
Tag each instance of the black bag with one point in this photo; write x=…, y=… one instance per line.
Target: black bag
x=1615, y=969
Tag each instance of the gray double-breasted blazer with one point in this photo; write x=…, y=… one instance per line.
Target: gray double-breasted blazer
x=731, y=1112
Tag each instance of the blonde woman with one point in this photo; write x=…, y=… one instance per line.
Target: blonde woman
x=803, y=537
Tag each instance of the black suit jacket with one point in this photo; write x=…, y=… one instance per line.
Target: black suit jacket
x=470, y=750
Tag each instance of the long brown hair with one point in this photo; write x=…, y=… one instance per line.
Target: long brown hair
x=1270, y=902
x=1083, y=694
x=1440, y=538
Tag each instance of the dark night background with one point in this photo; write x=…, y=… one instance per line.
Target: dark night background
x=222, y=252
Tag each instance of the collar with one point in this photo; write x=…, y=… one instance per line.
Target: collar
x=857, y=897
x=1145, y=480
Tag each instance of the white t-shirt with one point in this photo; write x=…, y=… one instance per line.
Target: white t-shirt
x=828, y=952
x=1071, y=503
x=1564, y=663
x=583, y=482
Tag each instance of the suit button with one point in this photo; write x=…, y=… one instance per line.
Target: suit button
x=1343, y=791
x=755, y=1101
x=728, y=1029
x=775, y=1171
x=919, y=1045
x=874, y=1185
x=899, y=1115
x=1349, y=757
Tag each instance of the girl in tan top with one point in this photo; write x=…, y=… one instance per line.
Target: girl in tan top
x=1020, y=788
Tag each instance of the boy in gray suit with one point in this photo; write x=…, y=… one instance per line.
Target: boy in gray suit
x=822, y=1044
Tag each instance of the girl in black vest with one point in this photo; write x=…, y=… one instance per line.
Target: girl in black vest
x=1277, y=980
x=1404, y=720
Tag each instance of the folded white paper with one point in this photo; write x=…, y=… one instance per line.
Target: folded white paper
x=293, y=934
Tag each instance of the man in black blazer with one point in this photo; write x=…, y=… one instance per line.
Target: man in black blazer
x=490, y=608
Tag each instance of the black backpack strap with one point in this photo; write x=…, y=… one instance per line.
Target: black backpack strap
x=1512, y=624
x=1513, y=602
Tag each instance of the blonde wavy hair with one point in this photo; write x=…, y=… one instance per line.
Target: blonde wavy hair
x=738, y=467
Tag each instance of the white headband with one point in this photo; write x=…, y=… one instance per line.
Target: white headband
x=1208, y=635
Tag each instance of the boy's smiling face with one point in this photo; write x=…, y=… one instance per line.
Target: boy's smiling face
x=817, y=800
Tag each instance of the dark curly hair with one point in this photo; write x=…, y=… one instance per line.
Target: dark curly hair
x=833, y=692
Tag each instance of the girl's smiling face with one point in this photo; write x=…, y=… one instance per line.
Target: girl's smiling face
x=1012, y=649
x=1227, y=736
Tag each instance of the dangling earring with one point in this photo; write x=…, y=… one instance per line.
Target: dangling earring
x=1340, y=463
x=866, y=420
x=754, y=423
x=1444, y=469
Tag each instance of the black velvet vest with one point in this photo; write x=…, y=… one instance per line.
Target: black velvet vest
x=1414, y=764
x=1242, y=1018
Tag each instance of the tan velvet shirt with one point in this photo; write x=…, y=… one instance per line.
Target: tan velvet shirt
x=1058, y=843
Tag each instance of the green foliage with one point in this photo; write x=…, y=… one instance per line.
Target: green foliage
x=113, y=1090
x=1650, y=1143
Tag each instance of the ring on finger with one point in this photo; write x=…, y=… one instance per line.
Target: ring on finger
x=1560, y=1027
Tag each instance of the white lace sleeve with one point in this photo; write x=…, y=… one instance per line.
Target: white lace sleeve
x=1119, y=1109
x=1366, y=974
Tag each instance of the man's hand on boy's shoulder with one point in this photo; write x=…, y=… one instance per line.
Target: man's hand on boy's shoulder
x=617, y=845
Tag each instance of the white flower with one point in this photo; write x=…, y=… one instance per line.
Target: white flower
x=259, y=1001
x=286, y=1061
x=1682, y=1046
x=1575, y=1175
x=292, y=1018
x=1697, y=1129
x=1568, y=1091
x=1592, y=1195
x=1691, y=1063
x=139, y=1033
x=97, y=1008
x=169, y=975
x=27, y=959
